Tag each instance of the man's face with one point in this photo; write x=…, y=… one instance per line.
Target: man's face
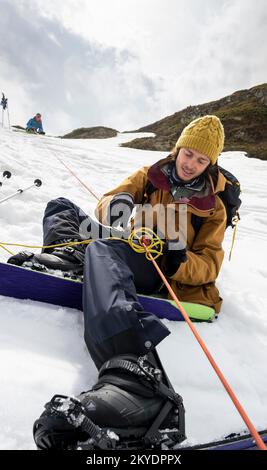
x=38, y=117
x=190, y=163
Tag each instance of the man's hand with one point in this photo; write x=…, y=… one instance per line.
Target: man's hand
x=173, y=257
x=120, y=210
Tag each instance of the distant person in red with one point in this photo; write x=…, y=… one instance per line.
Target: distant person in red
x=35, y=125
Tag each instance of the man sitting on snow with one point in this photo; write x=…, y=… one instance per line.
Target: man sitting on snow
x=133, y=396
x=34, y=125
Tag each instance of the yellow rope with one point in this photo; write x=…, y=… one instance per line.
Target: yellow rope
x=235, y=222
x=10, y=252
x=135, y=241
x=45, y=246
x=154, y=244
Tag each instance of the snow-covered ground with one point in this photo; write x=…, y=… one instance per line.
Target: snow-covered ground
x=41, y=346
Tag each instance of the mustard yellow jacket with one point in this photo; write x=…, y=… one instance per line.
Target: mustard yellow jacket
x=195, y=279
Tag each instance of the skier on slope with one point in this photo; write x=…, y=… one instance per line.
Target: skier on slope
x=4, y=101
x=117, y=330
x=35, y=124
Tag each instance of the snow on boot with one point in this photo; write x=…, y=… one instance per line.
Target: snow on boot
x=132, y=406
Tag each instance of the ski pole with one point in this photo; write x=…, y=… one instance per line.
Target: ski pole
x=6, y=175
x=36, y=183
x=8, y=118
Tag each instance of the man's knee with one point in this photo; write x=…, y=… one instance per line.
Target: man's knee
x=57, y=205
x=60, y=201
x=97, y=247
x=105, y=246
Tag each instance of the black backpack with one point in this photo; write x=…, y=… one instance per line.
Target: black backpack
x=230, y=198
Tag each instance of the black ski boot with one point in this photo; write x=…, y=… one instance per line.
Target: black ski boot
x=132, y=406
x=65, y=258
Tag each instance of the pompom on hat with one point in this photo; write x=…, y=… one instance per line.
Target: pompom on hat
x=204, y=134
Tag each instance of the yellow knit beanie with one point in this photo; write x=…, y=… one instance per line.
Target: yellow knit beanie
x=205, y=134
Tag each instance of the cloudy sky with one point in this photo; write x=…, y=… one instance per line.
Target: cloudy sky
x=126, y=63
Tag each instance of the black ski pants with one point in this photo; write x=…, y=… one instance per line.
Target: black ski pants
x=114, y=320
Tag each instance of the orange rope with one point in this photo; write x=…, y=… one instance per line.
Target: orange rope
x=219, y=373
x=80, y=181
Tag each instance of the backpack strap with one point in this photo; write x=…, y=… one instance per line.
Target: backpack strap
x=196, y=222
x=230, y=197
x=149, y=189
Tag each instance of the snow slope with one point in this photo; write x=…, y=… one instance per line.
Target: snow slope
x=41, y=346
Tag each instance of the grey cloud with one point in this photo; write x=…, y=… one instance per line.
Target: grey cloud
x=188, y=54
x=64, y=73
x=229, y=54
